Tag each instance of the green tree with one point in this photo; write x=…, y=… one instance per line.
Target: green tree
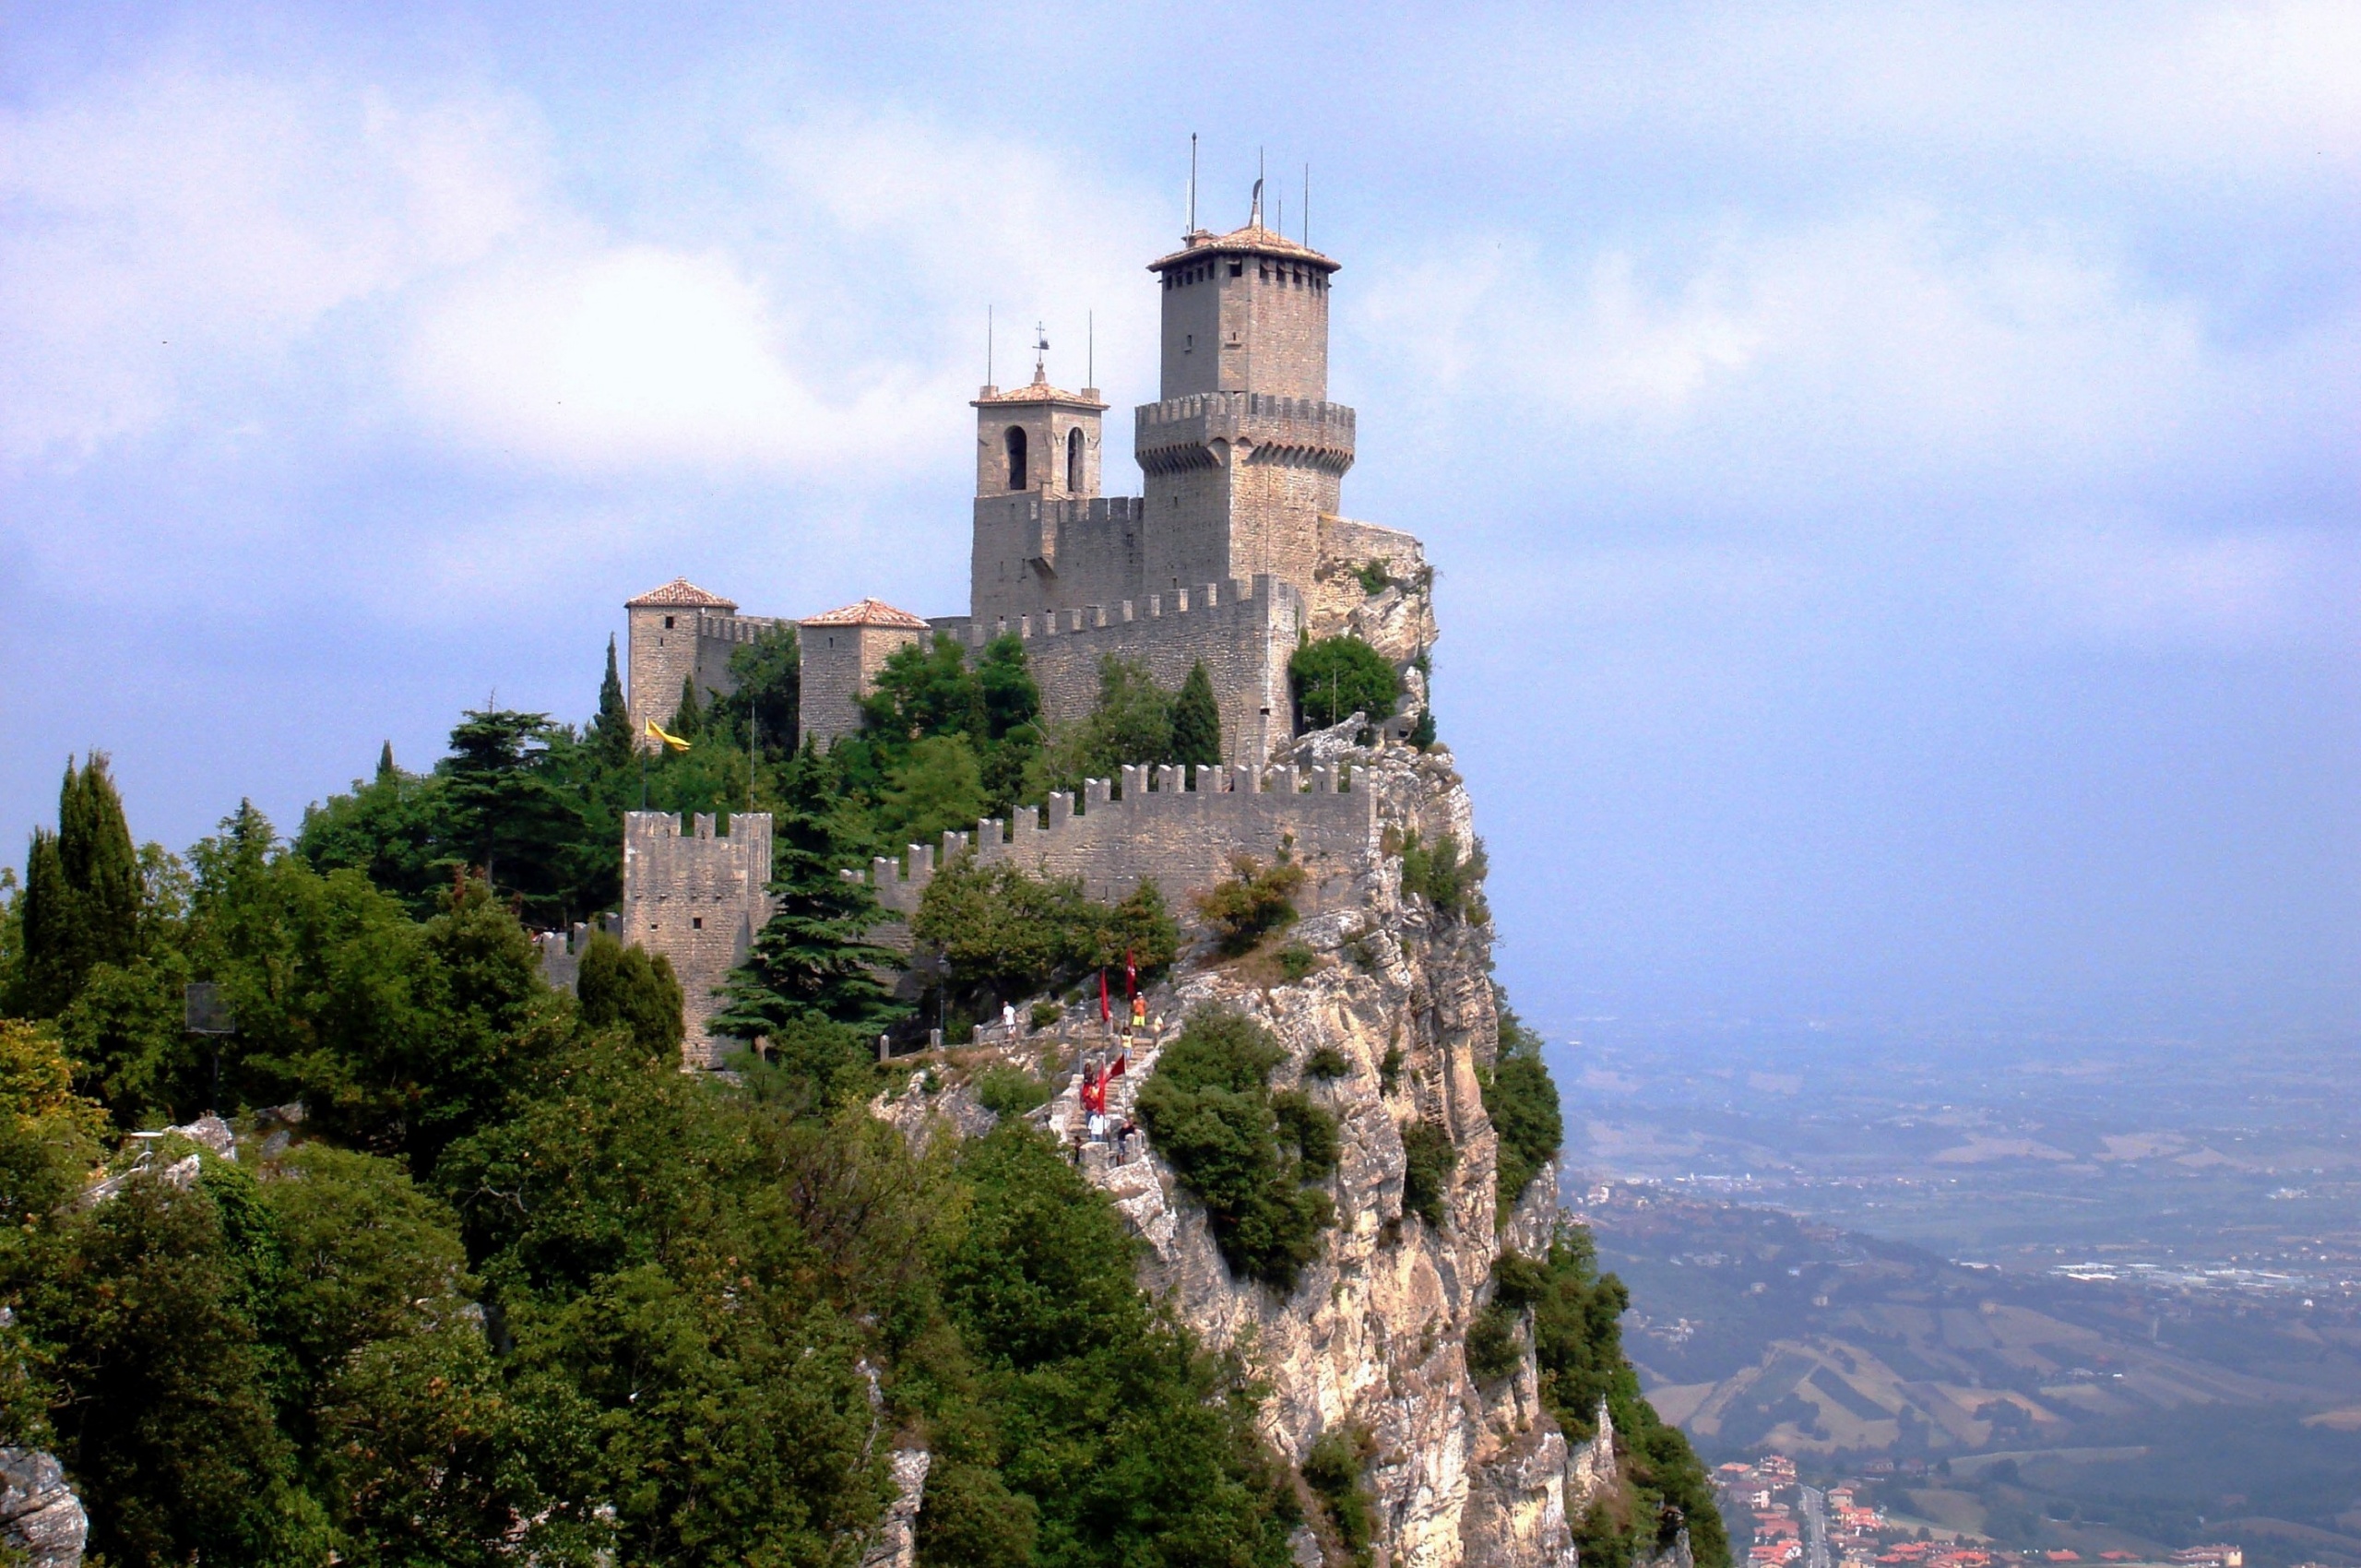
x=1008, y=935
x=611, y=730
x=1578, y=1344
x=1196, y=720
x=624, y=987
x=688, y=715
x=764, y=705
x=814, y=953
x=392, y=830
x=83, y=894
x=1096, y=1431
x=1255, y=901
x=937, y=788
x=1337, y=677
x=1131, y=723
x=509, y=819
x=161, y=1395
x=925, y=689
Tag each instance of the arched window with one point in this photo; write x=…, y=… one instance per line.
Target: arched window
x=1016, y=457
x=1073, y=461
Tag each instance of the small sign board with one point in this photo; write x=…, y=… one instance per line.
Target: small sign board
x=206, y=1011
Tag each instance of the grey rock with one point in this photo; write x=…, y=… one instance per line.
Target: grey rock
x=40, y=1516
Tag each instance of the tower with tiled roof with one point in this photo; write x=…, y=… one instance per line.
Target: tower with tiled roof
x=1243, y=453
x=843, y=650
x=663, y=626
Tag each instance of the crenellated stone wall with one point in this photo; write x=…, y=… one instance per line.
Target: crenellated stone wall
x=698, y=899
x=1182, y=839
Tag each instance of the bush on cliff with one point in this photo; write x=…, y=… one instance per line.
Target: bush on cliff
x=1255, y=901
x=1210, y=1111
x=1428, y=1161
x=1522, y=1099
x=1337, y=677
x=1578, y=1343
x=1450, y=881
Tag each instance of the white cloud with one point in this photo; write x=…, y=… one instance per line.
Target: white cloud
x=174, y=233
x=2128, y=579
x=1855, y=351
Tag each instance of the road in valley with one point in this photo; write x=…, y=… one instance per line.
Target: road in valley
x=1815, y=1513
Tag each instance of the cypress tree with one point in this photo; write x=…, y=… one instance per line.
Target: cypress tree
x=688, y=719
x=386, y=771
x=47, y=911
x=612, y=727
x=82, y=890
x=102, y=864
x=814, y=955
x=1196, y=721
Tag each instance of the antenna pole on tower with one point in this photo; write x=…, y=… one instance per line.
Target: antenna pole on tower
x=1307, y=207
x=987, y=346
x=1090, y=347
x=1193, y=183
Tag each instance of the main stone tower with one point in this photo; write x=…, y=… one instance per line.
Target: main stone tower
x=1242, y=453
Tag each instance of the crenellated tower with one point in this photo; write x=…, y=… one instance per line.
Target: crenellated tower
x=1243, y=453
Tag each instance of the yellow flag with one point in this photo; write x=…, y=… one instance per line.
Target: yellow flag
x=674, y=742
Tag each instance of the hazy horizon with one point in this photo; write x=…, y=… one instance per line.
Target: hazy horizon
x=1893, y=475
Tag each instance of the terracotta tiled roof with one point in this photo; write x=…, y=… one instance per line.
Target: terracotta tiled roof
x=1253, y=238
x=1041, y=391
x=867, y=612
x=679, y=592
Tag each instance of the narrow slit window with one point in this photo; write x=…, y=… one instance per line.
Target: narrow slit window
x=1016, y=442
x=1073, y=461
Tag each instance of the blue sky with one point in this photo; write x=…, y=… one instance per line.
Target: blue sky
x=1893, y=469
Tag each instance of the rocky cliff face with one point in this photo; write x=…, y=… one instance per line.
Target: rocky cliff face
x=1467, y=1472
x=1373, y=1336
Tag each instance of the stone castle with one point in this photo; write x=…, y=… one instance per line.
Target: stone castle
x=1233, y=553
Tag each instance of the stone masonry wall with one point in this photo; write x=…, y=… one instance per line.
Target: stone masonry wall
x=697, y=900
x=1245, y=633
x=1181, y=839
x=1033, y=554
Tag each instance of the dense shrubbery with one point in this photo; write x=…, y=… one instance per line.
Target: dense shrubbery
x=1334, y=1470
x=1242, y=1152
x=1522, y=1099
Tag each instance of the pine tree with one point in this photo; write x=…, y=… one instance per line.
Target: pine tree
x=387, y=772
x=688, y=719
x=814, y=955
x=611, y=729
x=1196, y=721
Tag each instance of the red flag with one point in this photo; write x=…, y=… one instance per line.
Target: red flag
x=1123, y=1060
x=1130, y=976
x=1106, y=1010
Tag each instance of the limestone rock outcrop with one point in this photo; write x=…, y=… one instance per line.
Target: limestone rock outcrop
x=41, y=1519
x=1373, y=1336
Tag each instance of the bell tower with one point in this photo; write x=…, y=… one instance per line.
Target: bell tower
x=1037, y=456
x=1243, y=453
